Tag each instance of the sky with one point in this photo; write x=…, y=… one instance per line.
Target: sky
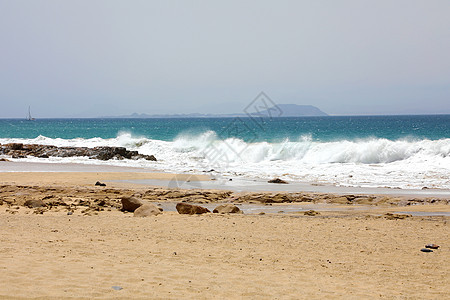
x=98, y=58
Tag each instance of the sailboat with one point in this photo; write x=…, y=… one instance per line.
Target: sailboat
x=29, y=117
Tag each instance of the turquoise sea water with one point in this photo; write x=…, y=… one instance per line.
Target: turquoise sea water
x=432, y=127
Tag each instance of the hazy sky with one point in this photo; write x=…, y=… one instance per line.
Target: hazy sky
x=93, y=58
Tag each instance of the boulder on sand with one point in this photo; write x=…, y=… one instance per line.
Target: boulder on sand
x=190, y=209
x=146, y=210
x=131, y=203
x=227, y=209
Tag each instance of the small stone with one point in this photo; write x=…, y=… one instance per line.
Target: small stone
x=432, y=246
x=98, y=183
x=311, y=213
x=117, y=288
x=69, y=213
x=426, y=250
x=277, y=180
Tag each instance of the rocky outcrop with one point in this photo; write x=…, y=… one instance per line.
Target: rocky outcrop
x=147, y=210
x=17, y=150
x=190, y=209
x=227, y=209
x=131, y=203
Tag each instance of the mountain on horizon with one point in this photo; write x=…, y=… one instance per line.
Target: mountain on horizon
x=282, y=110
x=295, y=110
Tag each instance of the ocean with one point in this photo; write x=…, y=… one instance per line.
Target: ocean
x=408, y=152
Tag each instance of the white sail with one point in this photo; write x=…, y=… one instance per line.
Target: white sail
x=29, y=117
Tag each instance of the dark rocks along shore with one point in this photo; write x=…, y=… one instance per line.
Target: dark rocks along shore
x=17, y=150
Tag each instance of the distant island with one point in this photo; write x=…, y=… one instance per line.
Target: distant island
x=278, y=111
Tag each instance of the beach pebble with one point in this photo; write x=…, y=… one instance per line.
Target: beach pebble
x=432, y=246
x=190, y=209
x=277, y=180
x=147, y=210
x=117, y=288
x=426, y=250
x=311, y=213
x=227, y=209
x=130, y=203
x=69, y=213
x=98, y=183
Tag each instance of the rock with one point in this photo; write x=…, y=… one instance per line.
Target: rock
x=277, y=180
x=311, y=213
x=34, y=203
x=117, y=288
x=432, y=246
x=3, y=159
x=130, y=203
x=148, y=157
x=426, y=250
x=227, y=209
x=190, y=209
x=147, y=210
x=14, y=146
x=98, y=183
x=107, y=153
x=17, y=150
x=391, y=216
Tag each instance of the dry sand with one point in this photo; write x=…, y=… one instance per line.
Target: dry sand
x=337, y=254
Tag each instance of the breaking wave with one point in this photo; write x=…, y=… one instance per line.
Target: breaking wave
x=365, y=162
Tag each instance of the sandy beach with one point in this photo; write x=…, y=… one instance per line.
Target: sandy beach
x=345, y=251
x=224, y=150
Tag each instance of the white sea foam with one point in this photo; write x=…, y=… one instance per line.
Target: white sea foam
x=373, y=162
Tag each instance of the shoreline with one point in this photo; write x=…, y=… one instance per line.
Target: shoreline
x=65, y=184
x=208, y=181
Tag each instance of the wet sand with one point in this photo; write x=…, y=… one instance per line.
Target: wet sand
x=345, y=251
